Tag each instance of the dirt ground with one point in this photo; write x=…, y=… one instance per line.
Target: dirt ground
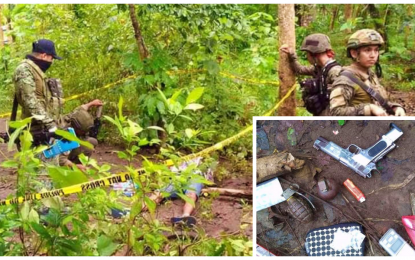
x=383, y=207
x=228, y=213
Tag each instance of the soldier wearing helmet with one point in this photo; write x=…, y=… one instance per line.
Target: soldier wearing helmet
x=357, y=91
x=324, y=69
x=82, y=121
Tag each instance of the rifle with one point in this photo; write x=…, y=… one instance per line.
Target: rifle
x=94, y=130
x=361, y=161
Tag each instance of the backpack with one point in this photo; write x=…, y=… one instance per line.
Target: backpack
x=315, y=95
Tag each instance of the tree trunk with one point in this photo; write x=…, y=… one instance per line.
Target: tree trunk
x=1, y=27
x=286, y=23
x=11, y=37
x=375, y=15
x=334, y=16
x=137, y=33
x=142, y=49
x=407, y=28
x=348, y=13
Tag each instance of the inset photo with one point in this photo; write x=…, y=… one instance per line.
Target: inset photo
x=335, y=187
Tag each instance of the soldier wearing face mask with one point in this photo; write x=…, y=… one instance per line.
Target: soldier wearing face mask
x=32, y=90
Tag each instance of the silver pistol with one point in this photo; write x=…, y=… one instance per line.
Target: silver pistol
x=362, y=161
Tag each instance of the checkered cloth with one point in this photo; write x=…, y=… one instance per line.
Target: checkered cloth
x=318, y=241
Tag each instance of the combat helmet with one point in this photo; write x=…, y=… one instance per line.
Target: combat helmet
x=364, y=37
x=316, y=43
x=82, y=120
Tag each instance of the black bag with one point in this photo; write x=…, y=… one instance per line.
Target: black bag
x=318, y=241
x=315, y=95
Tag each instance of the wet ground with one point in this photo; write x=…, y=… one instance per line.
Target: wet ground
x=231, y=215
x=387, y=194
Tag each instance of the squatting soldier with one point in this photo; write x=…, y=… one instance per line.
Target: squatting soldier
x=81, y=121
x=357, y=91
x=324, y=70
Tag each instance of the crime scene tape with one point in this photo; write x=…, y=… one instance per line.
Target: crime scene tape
x=225, y=74
x=122, y=177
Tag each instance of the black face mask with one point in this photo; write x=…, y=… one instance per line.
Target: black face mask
x=43, y=65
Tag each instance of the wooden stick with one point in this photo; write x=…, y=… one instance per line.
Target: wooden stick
x=229, y=192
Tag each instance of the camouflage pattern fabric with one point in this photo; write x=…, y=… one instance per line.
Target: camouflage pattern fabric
x=364, y=37
x=30, y=92
x=349, y=99
x=298, y=68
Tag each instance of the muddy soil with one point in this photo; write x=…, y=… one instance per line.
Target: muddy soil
x=383, y=207
x=227, y=214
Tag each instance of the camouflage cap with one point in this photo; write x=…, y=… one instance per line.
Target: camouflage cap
x=364, y=37
x=82, y=120
x=316, y=43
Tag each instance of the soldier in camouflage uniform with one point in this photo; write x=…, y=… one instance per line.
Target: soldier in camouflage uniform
x=81, y=120
x=39, y=100
x=321, y=55
x=31, y=89
x=347, y=97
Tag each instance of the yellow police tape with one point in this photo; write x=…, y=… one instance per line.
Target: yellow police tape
x=122, y=177
x=225, y=74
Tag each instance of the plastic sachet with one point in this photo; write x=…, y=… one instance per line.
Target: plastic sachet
x=345, y=240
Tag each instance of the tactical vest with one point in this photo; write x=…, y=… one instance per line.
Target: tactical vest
x=50, y=101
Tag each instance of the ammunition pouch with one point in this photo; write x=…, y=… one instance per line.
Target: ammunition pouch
x=315, y=97
x=55, y=86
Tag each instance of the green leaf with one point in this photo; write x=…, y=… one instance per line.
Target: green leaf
x=68, y=136
x=163, y=97
x=120, y=104
x=194, y=106
x=186, y=199
x=54, y=203
x=189, y=133
x=33, y=216
x=24, y=212
x=105, y=246
x=156, y=128
x=170, y=128
x=115, y=122
x=41, y=230
x=176, y=94
x=134, y=128
x=194, y=95
x=63, y=177
x=150, y=204
x=105, y=168
x=186, y=117
x=10, y=164
x=161, y=107
x=20, y=123
x=13, y=137
x=212, y=67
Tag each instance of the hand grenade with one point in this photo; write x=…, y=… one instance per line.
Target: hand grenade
x=299, y=209
x=297, y=206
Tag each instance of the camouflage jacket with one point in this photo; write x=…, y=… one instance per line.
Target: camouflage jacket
x=349, y=99
x=311, y=71
x=34, y=96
